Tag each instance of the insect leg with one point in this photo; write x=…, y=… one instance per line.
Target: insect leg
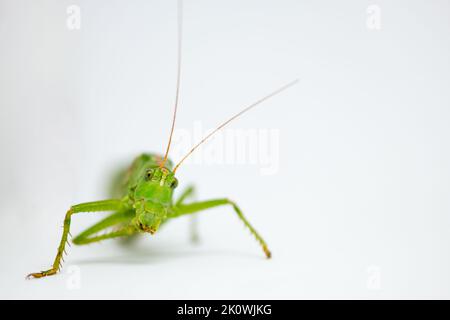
x=127, y=230
x=188, y=192
x=104, y=205
x=191, y=208
x=118, y=218
x=193, y=225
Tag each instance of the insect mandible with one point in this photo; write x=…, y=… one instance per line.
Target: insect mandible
x=147, y=202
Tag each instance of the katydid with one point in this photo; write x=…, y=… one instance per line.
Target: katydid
x=147, y=201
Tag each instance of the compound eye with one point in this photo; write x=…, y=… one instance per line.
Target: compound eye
x=149, y=174
x=174, y=183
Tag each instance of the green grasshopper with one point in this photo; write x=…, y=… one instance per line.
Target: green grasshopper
x=147, y=201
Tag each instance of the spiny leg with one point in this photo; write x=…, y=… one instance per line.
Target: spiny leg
x=183, y=209
x=104, y=205
x=126, y=230
x=189, y=192
x=120, y=218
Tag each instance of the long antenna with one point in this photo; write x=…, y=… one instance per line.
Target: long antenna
x=234, y=117
x=180, y=38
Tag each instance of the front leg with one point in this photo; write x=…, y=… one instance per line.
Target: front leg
x=183, y=209
x=105, y=205
x=187, y=193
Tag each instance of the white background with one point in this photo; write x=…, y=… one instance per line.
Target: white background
x=359, y=207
